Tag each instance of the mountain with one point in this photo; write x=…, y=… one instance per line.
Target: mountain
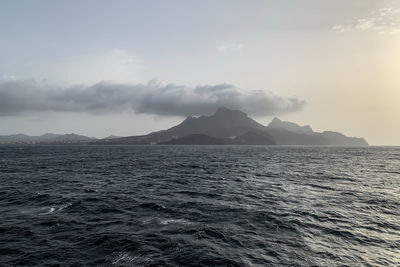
x=225, y=126
x=225, y=123
x=71, y=138
x=111, y=136
x=290, y=133
x=196, y=139
x=339, y=139
x=290, y=126
x=235, y=127
x=47, y=138
x=249, y=138
x=14, y=138
x=254, y=138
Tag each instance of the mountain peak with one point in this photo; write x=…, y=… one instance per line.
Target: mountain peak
x=223, y=109
x=189, y=118
x=276, y=123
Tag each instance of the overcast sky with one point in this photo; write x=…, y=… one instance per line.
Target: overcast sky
x=129, y=67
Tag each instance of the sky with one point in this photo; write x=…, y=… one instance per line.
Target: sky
x=130, y=67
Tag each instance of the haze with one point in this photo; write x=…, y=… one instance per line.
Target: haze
x=130, y=67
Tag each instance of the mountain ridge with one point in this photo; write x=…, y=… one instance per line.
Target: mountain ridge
x=276, y=123
x=47, y=138
x=225, y=126
x=228, y=124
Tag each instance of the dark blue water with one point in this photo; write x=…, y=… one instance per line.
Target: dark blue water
x=199, y=206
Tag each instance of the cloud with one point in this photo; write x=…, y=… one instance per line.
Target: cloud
x=382, y=21
x=21, y=97
x=230, y=47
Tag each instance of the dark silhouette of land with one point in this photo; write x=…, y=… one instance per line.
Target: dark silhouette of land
x=47, y=138
x=228, y=126
x=225, y=127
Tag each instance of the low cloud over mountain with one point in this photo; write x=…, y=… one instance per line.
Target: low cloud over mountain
x=18, y=97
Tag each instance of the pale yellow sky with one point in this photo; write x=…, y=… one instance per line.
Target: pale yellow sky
x=354, y=86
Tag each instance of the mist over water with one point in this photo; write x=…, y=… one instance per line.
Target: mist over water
x=199, y=205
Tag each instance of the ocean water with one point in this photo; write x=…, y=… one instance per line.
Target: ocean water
x=199, y=206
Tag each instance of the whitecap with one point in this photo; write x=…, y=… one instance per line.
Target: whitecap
x=53, y=209
x=174, y=221
x=49, y=210
x=128, y=258
x=63, y=206
x=148, y=220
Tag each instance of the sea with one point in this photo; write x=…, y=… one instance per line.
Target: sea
x=88, y=205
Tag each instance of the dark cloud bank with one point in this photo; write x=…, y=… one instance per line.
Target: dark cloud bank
x=24, y=96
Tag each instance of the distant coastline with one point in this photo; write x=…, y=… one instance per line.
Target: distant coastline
x=225, y=127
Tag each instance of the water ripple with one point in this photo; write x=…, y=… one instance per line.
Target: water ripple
x=199, y=206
